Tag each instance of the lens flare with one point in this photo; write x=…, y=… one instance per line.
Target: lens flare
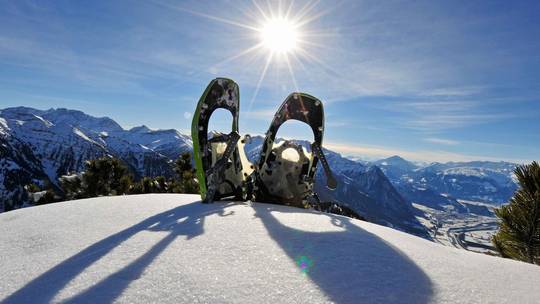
x=304, y=263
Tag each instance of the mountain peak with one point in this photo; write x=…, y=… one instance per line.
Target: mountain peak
x=396, y=161
x=396, y=158
x=19, y=111
x=140, y=129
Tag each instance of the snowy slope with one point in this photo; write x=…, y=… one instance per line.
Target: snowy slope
x=171, y=249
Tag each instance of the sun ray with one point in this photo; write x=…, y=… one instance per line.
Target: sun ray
x=243, y=53
x=289, y=10
x=315, y=44
x=306, y=20
x=269, y=7
x=326, y=67
x=251, y=13
x=261, y=78
x=305, y=10
x=292, y=73
x=302, y=65
x=211, y=17
x=261, y=11
x=249, y=61
x=320, y=34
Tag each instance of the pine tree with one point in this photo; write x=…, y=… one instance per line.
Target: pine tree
x=187, y=181
x=183, y=164
x=105, y=176
x=40, y=195
x=32, y=188
x=146, y=185
x=72, y=186
x=519, y=233
x=109, y=176
x=161, y=184
x=47, y=198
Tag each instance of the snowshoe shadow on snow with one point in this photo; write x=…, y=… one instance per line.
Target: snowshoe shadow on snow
x=286, y=169
x=223, y=169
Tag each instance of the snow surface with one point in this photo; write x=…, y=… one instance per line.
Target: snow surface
x=47, y=123
x=170, y=248
x=3, y=123
x=82, y=135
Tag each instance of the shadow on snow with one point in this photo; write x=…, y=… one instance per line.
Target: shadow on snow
x=351, y=266
x=45, y=287
x=356, y=267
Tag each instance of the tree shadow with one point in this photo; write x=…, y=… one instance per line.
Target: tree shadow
x=350, y=265
x=178, y=221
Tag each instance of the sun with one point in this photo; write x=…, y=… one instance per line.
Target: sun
x=279, y=35
x=282, y=35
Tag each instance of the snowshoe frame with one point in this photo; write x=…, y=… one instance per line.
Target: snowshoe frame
x=308, y=109
x=212, y=168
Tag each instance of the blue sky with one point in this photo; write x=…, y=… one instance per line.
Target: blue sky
x=430, y=81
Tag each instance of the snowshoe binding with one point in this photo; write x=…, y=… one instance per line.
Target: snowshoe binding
x=223, y=169
x=286, y=169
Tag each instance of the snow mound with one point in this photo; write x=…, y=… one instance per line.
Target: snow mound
x=170, y=248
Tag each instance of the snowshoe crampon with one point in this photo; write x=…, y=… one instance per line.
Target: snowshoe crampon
x=286, y=169
x=223, y=169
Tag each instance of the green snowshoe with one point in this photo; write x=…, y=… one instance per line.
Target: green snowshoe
x=223, y=169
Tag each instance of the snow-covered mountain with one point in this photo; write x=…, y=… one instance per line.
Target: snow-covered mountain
x=39, y=146
x=484, y=181
x=394, y=167
x=169, y=248
x=490, y=182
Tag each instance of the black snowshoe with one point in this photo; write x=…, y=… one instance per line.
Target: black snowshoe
x=286, y=169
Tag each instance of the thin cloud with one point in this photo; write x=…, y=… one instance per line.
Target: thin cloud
x=337, y=124
x=420, y=155
x=435, y=115
x=259, y=114
x=438, y=122
x=455, y=91
x=442, y=141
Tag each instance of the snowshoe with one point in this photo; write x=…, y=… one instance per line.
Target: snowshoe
x=223, y=170
x=286, y=169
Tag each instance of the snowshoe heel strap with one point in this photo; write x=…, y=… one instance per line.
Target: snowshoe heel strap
x=331, y=181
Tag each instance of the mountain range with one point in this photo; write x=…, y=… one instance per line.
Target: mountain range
x=38, y=146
